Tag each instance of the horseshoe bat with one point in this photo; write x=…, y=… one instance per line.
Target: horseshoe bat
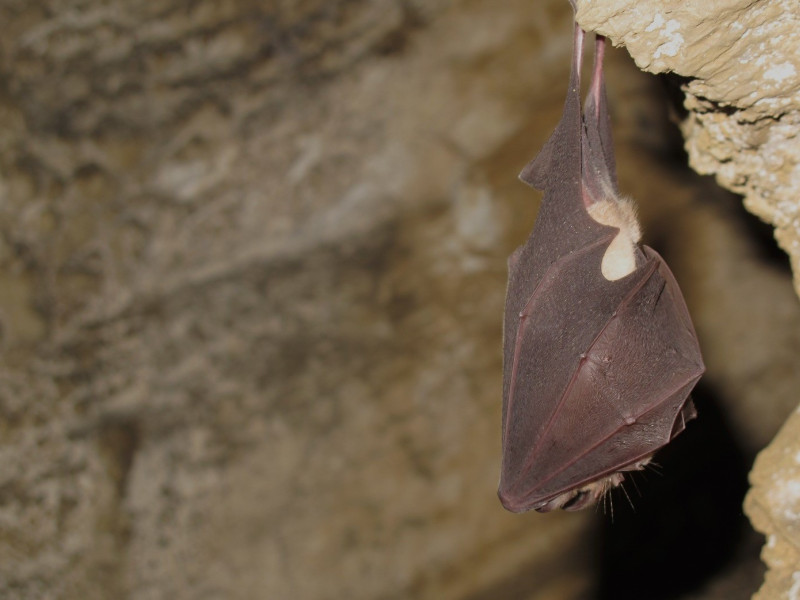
x=599, y=351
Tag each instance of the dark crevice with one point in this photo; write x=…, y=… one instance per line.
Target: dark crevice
x=762, y=237
x=686, y=524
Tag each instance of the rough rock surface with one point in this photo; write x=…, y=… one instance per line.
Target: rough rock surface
x=252, y=279
x=773, y=504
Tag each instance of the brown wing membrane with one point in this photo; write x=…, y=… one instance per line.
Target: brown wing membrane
x=621, y=398
x=596, y=372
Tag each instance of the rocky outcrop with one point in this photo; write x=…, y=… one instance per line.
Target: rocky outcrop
x=773, y=505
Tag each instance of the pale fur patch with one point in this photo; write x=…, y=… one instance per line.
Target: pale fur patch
x=620, y=212
x=591, y=492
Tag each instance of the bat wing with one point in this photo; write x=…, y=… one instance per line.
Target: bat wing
x=563, y=225
x=558, y=170
x=622, y=395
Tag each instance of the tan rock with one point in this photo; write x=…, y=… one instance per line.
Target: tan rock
x=773, y=505
x=252, y=284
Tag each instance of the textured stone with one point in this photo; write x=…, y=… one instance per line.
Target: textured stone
x=252, y=279
x=773, y=505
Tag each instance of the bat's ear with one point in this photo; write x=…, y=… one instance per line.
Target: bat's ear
x=564, y=146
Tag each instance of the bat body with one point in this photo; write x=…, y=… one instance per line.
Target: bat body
x=600, y=354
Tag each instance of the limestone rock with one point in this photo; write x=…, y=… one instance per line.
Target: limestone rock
x=773, y=505
x=252, y=285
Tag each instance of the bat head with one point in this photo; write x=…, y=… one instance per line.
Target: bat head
x=583, y=496
x=590, y=493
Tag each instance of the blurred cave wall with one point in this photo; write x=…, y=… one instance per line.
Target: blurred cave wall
x=252, y=271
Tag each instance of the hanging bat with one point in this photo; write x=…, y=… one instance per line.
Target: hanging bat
x=600, y=354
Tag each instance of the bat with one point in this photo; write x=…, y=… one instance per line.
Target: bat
x=599, y=351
